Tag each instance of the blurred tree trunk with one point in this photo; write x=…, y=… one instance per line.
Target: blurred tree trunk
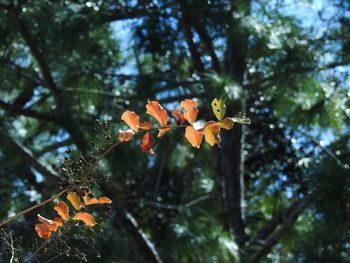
x=231, y=179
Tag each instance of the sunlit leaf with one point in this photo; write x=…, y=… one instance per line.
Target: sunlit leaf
x=90, y=200
x=158, y=112
x=212, y=133
x=191, y=110
x=47, y=226
x=62, y=209
x=193, y=136
x=124, y=136
x=87, y=218
x=131, y=119
x=226, y=123
x=219, y=108
x=241, y=118
x=74, y=200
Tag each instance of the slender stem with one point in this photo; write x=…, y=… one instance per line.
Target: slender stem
x=43, y=245
x=34, y=207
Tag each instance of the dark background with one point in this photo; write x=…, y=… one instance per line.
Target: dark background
x=276, y=191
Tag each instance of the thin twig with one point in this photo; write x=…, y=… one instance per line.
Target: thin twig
x=34, y=207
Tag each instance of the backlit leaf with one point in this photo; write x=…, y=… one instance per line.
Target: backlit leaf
x=74, y=200
x=191, y=110
x=193, y=136
x=241, y=118
x=87, y=218
x=47, y=226
x=124, y=136
x=226, y=123
x=62, y=209
x=212, y=133
x=90, y=200
x=158, y=112
x=178, y=115
x=131, y=119
x=147, y=143
x=219, y=108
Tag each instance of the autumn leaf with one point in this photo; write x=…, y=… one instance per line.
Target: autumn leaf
x=226, y=123
x=58, y=221
x=62, y=209
x=163, y=131
x=241, y=118
x=158, y=112
x=178, y=115
x=74, y=200
x=47, y=226
x=90, y=200
x=219, y=108
x=124, y=136
x=193, y=136
x=131, y=119
x=147, y=143
x=44, y=230
x=212, y=133
x=87, y=218
x=191, y=110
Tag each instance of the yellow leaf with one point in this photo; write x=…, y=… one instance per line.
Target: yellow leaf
x=87, y=218
x=212, y=133
x=74, y=200
x=226, y=123
x=219, y=108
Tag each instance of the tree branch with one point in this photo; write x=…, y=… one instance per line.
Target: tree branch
x=282, y=229
x=29, y=157
x=142, y=241
x=43, y=116
x=38, y=56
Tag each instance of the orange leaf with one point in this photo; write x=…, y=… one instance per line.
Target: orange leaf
x=146, y=125
x=193, y=136
x=43, y=230
x=58, y=221
x=212, y=133
x=158, y=112
x=131, y=119
x=87, y=218
x=74, y=200
x=47, y=226
x=178, y=116
x=62, y=209
x=226, y=123
x=124, y=136
x=163, y=131
x=147, y=143
x=89, y=200
x=191, y=110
